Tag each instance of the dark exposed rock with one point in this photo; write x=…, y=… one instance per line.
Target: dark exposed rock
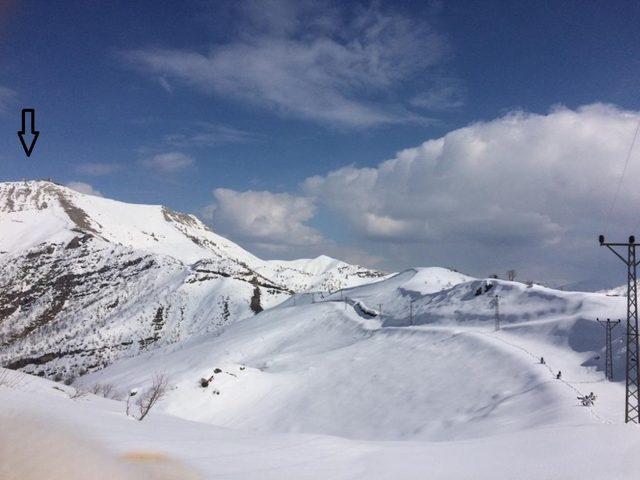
x=76, y=242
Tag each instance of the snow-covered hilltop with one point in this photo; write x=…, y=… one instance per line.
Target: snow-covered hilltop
x=321, y=274
x=412, y=357
x=85, y=280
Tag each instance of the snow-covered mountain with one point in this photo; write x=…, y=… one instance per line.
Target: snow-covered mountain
x=85, y=280
x=366, y=379
x=321, y=274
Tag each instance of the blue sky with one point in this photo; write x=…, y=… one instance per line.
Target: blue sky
x=246, y=113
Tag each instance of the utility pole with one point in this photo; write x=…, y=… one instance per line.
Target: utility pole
x=632, y=398
x=380, y=309
x=608, y=325
x=496, y=303
x=410, y=312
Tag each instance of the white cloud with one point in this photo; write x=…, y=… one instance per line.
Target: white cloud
x=267, y=219
x=310, y=61
x=168, y=162
x=97, y=169
x=444, y=97
x=8, y=98
x=165, y=85
x=84, y=188
x=204, y=134
x=518, y=180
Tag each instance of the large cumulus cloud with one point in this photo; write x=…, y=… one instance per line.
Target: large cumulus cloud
x=521, y=179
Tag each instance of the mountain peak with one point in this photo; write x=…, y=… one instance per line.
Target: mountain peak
x=30, y=195
x=34, y=206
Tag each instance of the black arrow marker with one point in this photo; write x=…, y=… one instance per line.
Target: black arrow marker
x=28, y=139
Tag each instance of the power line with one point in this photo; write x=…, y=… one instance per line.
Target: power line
x=624, y=170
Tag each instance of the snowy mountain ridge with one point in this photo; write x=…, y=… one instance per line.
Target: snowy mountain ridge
x=87, y=280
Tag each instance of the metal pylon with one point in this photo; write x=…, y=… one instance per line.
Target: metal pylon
x=608, y=325
x=632, y=400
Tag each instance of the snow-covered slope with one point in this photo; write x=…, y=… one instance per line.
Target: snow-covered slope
x=49, y=435
x=85, y=280
x=620, y=291
x=358, y=364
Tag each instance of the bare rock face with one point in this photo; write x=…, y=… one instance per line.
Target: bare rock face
x=85, y=281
